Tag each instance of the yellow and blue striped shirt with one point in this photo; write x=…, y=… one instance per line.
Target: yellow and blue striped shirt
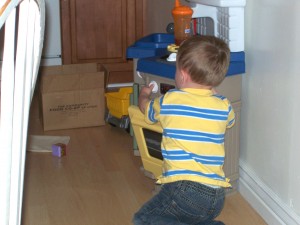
x=194, y=122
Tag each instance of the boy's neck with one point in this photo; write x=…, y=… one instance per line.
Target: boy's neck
x=185, y=81
x=197, y=86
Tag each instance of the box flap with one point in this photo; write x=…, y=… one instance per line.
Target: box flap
x=71, y=77
x=69, y=69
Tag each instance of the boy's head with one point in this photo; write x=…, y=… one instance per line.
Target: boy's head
x=205, y=59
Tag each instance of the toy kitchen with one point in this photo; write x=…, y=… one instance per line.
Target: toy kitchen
x=152, y=57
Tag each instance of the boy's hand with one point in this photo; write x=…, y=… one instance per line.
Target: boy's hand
x=146, y=90
x=144, y=97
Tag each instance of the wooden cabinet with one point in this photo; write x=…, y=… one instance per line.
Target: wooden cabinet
x=100, y=31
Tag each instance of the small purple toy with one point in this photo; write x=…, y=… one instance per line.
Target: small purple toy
x=59, y=149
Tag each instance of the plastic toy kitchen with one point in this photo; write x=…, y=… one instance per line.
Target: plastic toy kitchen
x=152, y=63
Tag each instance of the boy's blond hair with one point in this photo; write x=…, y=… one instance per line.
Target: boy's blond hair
x=205, y=59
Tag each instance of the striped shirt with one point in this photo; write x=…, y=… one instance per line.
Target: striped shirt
x=194, y=122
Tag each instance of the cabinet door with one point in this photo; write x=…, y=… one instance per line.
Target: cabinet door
x=99, y=30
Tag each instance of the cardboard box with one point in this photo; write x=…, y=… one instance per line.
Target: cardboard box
x=118, y=73
x=72, y=96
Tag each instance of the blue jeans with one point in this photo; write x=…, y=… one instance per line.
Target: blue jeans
x=182, y=202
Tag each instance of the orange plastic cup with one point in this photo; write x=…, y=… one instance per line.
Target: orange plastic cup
x=182, y=16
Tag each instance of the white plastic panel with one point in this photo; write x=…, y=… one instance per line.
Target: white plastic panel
x=228, y=23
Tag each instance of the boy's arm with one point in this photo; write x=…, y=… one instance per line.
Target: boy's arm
x=144, y=97
x=231, y=117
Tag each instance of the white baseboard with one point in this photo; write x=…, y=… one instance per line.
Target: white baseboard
x=264, y=200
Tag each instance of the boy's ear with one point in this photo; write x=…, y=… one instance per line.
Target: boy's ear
x=185, y=77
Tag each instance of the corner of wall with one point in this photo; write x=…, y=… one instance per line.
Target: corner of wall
x=263, y=199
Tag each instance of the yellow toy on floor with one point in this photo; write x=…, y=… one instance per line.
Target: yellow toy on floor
x=117, y=104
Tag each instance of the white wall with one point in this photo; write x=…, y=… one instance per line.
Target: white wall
x=52, y=38
x=158, y=14
x=270, y=132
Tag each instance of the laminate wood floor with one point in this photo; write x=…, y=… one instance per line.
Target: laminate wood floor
x=99, y=182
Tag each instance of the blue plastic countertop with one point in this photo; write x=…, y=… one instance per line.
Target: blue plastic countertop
x=161, y=67
x=151, y=52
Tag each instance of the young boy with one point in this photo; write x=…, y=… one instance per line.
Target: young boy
x=194, y=119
